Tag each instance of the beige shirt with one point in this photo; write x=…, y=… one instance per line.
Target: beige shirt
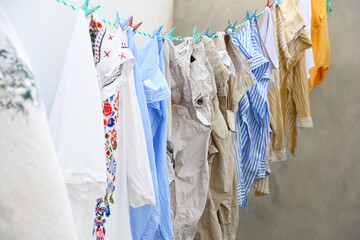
x=294, y=84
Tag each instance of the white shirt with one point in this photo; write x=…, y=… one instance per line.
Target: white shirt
x=305, y=8
x=77, y=128
x=267, y=37
x=133, y=182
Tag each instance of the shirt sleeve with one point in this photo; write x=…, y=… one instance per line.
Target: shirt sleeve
x=140, y=184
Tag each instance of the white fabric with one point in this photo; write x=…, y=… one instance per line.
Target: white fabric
x=77, y=127
x=34, y=203
x=227, y=61
x=140, y=186
x=267, y=37
x=133, y=183
x=305, y=8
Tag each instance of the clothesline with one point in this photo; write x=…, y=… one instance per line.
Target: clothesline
x=139, y=32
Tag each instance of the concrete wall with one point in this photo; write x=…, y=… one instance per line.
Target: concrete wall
x=45, y=29
x=315, y=195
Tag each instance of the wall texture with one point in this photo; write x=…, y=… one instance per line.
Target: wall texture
x=45, y=29
x=316, y=194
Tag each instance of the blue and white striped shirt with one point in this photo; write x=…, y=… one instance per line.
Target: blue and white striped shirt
x=253, y=117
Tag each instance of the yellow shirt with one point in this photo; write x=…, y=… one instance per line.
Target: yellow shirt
x=320, y=41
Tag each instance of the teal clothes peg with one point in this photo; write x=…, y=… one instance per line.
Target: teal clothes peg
x=169, y=35
x=86, y=8
x=328, y=6
x=171, y=32
x=197, y=37
x=178, y=38
x=230, y=28
x=207, y=33
x=122, y=24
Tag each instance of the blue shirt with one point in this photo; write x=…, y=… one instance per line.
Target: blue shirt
x=156, y=92
x=252, y=120
x=139, y=217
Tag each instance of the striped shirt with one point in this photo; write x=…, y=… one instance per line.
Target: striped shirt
x=293, y=78
x=253, y=118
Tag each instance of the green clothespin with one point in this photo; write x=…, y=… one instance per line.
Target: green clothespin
x=197, y=37
x=230, y=27
x=328, y=6
x=171, y=32
x=88, y=11
x=178, y=38
x=169, y=35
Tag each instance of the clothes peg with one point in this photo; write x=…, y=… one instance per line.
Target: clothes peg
x=247, y=15
x=278, y=3
x=254, y=15
x=231, y=27
x=197, y=37
x=158, y=31
x=207, y=33
x=171, y=32
x=175, y=38
x=270, y=5
x=169, y=35
x=86, y=8
x=257, y=16
x=131, y=24
x=122, y=24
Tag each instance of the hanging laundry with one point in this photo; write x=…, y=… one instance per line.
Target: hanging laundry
x=268, y=44
x=140, y=216
x=84, y=171
x=277, y=150
x=269, y=50
x=294, y=88
x=190, y=95
x=253, y=116
x=305, y=8
x=321, y=42
x=220, y=217
x=156, y=92
x=34, y=202
x=128, y=170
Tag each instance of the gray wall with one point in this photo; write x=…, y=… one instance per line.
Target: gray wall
x=315, y=195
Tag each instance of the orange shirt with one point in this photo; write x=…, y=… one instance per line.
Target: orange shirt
x=320, y=41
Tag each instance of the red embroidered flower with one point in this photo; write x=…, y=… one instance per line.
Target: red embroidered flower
x=105, y=122
x=99, y=25
x=92, y=24
x=107, y=109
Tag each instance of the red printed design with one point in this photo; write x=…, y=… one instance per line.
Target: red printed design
x=102, y=209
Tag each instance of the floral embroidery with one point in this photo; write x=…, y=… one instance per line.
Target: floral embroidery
x=111, y=122
x=102, y=209
x=17, y=84
x=107, y=110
